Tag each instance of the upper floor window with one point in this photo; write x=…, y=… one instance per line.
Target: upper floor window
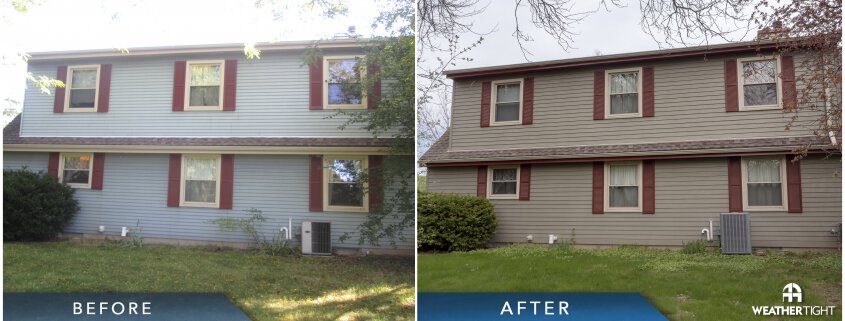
x=343, y=87
x=623, y=93
x=344, y=189
x=763, y=184
x=205, y=85
x=507, y=105
x=758, y=83
x=624, y=186
x=82, y=88
x=503, y=181
x=75, y=169
x=200, y=180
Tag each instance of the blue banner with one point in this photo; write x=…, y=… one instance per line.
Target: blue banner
x=120, y=306
x=536, y=306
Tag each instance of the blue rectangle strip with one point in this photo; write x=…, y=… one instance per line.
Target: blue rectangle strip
x=615, y=306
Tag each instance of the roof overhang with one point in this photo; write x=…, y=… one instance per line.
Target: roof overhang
x=160, y=149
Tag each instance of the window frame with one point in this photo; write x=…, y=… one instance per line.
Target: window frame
x=607, y=94
x=183, y=185
x=490, y=194
x=741, y=83
x=607, y=207
x=365, y=197
x=69, y=86
x=363, y=72
x=783, y=188
x=90, y=170
x=493, y=89
x=188, y=64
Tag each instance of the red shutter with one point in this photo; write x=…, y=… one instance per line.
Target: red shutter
x=525, y=182
x=648, y=187
x=53, y=165
x=97, y=173
x=376, y=192
x=315, y=184
x=731, y=89
x=481, y=182
x=787, y=75
x=485, y=104
x=793, y=185
x=315, y=72
x=598, y=187
x=230, y=84
x=179, y=69
x=375, y=94
x=227, y=180
x=528, y=101
x=648, y=91
x=174, y=180
x=105, y=88
x=735, y=184
x=59, y=97
x=598, y=97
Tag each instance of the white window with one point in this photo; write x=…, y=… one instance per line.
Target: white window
x=763, y=183
x=204, y=85
x=623, y=186
x=506, y=102
x=622, y=93
x=82, y=85
x=75, y=169
x=343, y=188
x=503, y=182
x=342, y=87
x=759, y=84
x=200, y=180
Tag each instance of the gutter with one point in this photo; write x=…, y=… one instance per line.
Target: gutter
x=160, y=149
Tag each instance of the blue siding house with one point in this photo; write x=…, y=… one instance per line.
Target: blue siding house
x=171, y=138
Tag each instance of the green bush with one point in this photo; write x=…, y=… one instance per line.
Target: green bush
x=694, y=247
x=35, y=206
x=454, y=222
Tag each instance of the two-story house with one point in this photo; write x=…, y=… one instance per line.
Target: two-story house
x=171, y=138
x=641, y=148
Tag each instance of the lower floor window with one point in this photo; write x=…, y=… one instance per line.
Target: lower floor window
x=764, y=182
x=504, y=182
x=344, y=185
x=76, y=169
x=623, y=185
x=200, y=179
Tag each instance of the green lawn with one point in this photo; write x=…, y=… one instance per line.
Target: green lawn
x=705, y=286
x=265, y=287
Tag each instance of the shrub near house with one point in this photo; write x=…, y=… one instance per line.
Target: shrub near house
x=35, y=206
x=454, y=222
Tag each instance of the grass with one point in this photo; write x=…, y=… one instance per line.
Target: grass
x=704, y=286
x=264, y=287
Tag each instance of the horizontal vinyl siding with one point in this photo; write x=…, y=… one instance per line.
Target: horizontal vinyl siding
x=34, y=161
x=689, y=102
x=688, y=193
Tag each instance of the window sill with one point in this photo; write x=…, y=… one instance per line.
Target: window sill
x=503, y=197
x=202, y=205
x=506, y=123
x=765, y=209
x=346, y=209
x=756, y=108
x=81, y=110
x=80, y=186
x=620, y=116
x=203, y=108
x=329, y=107
x=623, y=210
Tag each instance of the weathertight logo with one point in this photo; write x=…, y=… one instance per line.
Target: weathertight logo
x=792, y=294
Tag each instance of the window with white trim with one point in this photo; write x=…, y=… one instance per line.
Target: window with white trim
x=758, y=83
x=200, y=180
x=503, y=182
x=75, y=169
x=623, y=96
x=344, y=188
x=507, y=101
x=623, y=181
x=763, y=183
x=204, y=87
x=342, y=87
x=82, y=86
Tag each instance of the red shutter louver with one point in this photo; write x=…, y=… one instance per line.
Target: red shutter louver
x=598, y=187
x=179, y=69
x=481, y=182
x=97, y=172
x=598, y=96
x=793, y=185
x=485, y=104
x=230, y=84
x=59, y=97
x=376, y=192
x=315, y=89
x=525, y=182
x=648, y=91
x=105, y=88
x=315, y=184
x=528, y=101
x=227, y=180
x=648, y=187
x=787, y=75
x=731, y=89
x=735, y=184
x=375, y=93
x=174, y=180
x=53, y=164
